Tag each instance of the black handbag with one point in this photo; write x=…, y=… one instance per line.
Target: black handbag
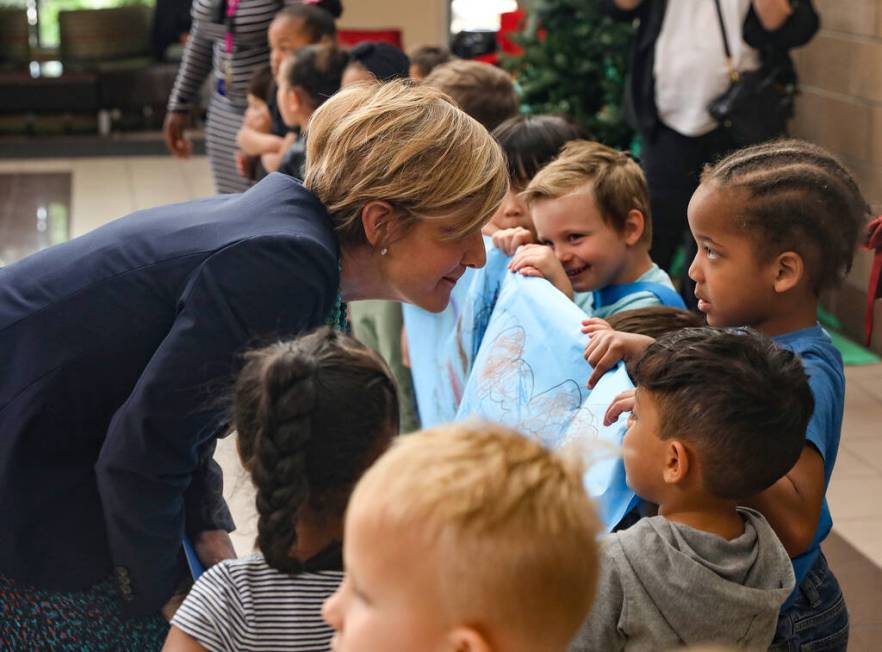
x=757, y=104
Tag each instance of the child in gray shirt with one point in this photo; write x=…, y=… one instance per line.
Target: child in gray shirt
x=717, y=416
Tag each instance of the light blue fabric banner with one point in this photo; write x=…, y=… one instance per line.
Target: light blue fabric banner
x=529, y=373
x=443, y=345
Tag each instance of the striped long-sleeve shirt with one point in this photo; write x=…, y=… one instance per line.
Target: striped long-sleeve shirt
x=243, y=604
x=206, y=52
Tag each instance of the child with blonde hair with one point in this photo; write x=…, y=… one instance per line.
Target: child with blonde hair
x=485, y=92
x=590, y=212
x=468, y=538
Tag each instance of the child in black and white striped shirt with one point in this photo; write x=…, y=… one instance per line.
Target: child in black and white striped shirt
x=311, y=415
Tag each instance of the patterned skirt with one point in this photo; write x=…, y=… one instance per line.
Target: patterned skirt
x=81, y=621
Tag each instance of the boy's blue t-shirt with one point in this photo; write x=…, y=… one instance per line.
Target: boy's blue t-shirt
x=640, y=299
x=823, y=365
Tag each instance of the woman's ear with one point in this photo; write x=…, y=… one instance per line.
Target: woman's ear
x=789, y=269
x=677, y=462
x=375, y=219
x=467, y=639
x=635, y=225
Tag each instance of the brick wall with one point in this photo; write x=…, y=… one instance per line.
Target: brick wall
x=841, y=109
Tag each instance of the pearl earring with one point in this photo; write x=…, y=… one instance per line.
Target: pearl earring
x=384, y=251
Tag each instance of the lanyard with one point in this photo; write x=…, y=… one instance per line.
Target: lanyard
x=230, y=23
x=225, y=85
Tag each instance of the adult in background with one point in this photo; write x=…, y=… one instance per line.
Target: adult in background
x=229, y=40
x=678, y=67
x=117, y=344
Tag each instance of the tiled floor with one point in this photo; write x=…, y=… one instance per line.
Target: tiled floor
x=101, y=189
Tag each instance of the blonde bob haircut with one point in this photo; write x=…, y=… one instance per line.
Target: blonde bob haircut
x=506, y=523
x=617, y=183
x=407, y=145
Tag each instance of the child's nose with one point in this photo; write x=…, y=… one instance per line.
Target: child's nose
x=475, y=254
x=694, y=271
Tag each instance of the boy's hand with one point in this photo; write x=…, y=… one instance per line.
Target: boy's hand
x=595, y=324
x=624, y=402
x=508, y=240
x=540, y=261
x=608, y=347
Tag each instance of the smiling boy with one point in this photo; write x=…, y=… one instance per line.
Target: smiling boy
x=590, y=210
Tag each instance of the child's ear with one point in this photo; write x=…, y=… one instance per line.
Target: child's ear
x=375, y=217
x=789, y=271
x=295, y=102
x=677, y=462
x=467, y=639
x=635, y=225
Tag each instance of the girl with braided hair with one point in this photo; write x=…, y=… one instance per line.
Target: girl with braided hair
x=311, y=415
x=777, y=224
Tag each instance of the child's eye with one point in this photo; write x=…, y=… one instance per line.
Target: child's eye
x=574, y=237
x=711, y=253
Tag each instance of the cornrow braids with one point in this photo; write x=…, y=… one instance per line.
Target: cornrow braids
x=311, y=414
x=799, y=198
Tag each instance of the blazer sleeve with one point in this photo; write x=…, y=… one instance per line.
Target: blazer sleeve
x=242, y=295
x=204, y=504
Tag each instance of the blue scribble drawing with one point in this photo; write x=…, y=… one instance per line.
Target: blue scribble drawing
x=513, y=354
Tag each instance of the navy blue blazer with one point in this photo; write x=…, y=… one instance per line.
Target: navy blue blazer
x=117, y=350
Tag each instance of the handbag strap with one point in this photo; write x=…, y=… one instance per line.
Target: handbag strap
x=734, y=75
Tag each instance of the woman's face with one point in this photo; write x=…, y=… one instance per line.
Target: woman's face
x=424, y=265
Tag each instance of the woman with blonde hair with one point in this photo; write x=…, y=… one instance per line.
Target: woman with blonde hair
x=116, y=343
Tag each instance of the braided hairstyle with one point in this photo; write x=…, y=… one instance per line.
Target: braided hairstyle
x=311, y=415
x=317, y=19
x=799, y=198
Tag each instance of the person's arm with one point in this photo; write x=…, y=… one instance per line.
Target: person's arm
x=210, y=617
x=622, y=9
x=795, y=30
x=772, y=13
x=272, y=160
x=179, y=641
x=259, y=288
x=255, y=143
x=792, y=506
x=194, y=68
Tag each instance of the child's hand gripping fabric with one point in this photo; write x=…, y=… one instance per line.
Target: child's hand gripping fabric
x=607, y=347
x=539, y=261
x=508, y=240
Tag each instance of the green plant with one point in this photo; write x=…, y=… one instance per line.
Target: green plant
x=574, y=62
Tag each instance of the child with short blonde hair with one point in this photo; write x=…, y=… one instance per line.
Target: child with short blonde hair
x=590, y=210
x=469, y=538
x=482, y=90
